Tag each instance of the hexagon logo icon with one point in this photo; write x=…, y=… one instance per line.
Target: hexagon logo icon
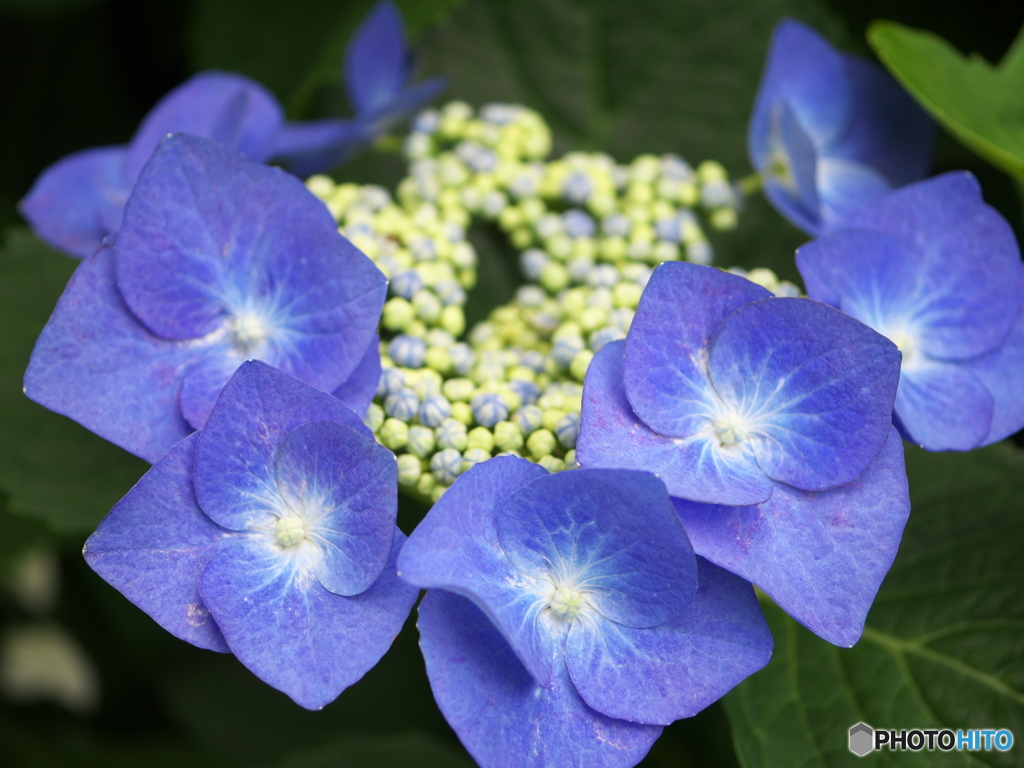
x=862, y=738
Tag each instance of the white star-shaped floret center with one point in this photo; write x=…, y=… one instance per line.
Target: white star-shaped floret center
x=249, y=330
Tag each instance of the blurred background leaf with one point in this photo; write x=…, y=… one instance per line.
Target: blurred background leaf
x=944, y=642
x=50, y=467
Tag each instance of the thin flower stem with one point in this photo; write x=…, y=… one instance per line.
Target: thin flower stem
x=750, y=184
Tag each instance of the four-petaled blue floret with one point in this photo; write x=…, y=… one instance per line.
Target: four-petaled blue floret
x=936, y=270
x=768, y=420
x=831, y=131
x=270, y=534
x=219, y=260
x=556, y=600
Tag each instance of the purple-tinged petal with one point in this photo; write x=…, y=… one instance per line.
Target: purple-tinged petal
x=205, y=378
x=501, y=715
x=666, y=376
x=317, y=145
x=611, y=535
x=811, y=387
x=820, y=556
x=1001, y=372
x=943, y=406
x=234, y=474
x=456, y=548
x=216, y=105
x=96, y=363
x=344, y=485
x=358, y=390
x=386, y=116
x=154, y=545
x=844, y=186
x=790, y=170
x=216, y=245
x=612, y=436
x=376, y=60
x=79, y=200
x=665, y=673
x=894, y=135
x=291, y=632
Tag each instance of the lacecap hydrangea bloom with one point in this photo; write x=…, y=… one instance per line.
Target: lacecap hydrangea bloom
x=768, y=420
x=831, y=131
x=80, y=199
x=377, y=72
x=567, y=618
x=270, y=534
x=219, y=260
x=938, y=271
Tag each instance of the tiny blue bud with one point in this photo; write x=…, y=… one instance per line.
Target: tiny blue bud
x=423, y=249
x=616, y=225
x=498, y=113
x=489, y=408
x=435, y=409
x=463, y=358
x=401, y=405
x=603, y=275
x=452, y=434
x=532, y=262
x=675, y=168
x=669, y=229
x=528, y=418
x=533, y=360
x=700, y=252
x=565, y=349
x=578, y=224
x=450, y=292
x=715, y=194
x=406, y=283
x=599, y=338
x=391, y=380
x=446, y=465
x=528, y=391
x=407, y=350
x=426, y=121
x=577, y=188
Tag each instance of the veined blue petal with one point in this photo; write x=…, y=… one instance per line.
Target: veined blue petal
x=611, y=435
x=79, y=200
x=665, y=673
x=498, y=710
x=943, y=406
x=234, y=473
x=844, y=186
x=316, y=145
x=385, y=117
x=809, y=387
x=376, y=60
x=291, y=632
x=790, y=172
x=358, y=390
x=344, y=487
x=214, y=105
x=820, y=556
x=456, y=548
x=96, y=363
x=665, y=367
x=154, y=545
x=609, y=535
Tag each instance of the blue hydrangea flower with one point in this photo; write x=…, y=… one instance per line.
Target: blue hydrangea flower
x=378, y=67
x=730, y=389
x=938, y=272
x=219, y=260
x=582, y=591
x=80, y=199
x=831, y=131
x=270, y=534
x=821, y=556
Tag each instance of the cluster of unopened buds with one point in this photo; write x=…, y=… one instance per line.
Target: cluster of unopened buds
x=724, y=431
x=589, y=232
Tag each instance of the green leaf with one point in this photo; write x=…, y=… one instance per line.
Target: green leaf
x=944, y=642
x=50, y=467
x=384, y=751
x=982, y=105
x=631, y=77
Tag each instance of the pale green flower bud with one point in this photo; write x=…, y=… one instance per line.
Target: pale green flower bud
x=580, y=363
x=421, y=441
x=551, y=463
x=374, y=417
x=480, y=437
x=508, y=436
x=541, y=443
x=397, y=314
x=394, y=434
x=409, y=469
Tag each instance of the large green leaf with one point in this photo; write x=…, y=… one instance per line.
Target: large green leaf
x=981, y=105
x=50, y=467
x=631, y=77
x=944, y=643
